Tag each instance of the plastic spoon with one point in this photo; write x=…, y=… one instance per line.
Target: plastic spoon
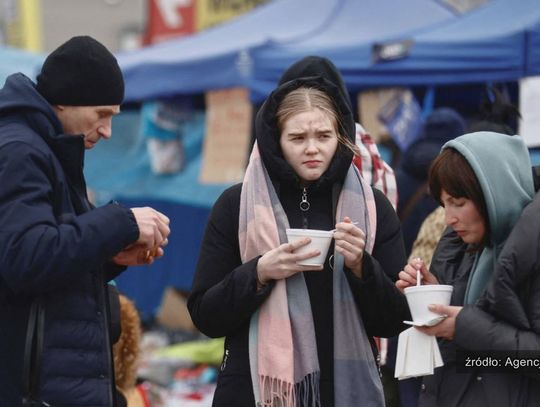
x=418, y=274
x=431, y=322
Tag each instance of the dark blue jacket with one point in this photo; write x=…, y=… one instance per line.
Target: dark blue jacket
x=55, y=250
x=415, y=202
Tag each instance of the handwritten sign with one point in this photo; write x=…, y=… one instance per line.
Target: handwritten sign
x=228, y=136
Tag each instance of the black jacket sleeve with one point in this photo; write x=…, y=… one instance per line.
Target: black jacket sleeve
x=40, y=249
x=224, y=293
x=382, y=306
x=477, y=330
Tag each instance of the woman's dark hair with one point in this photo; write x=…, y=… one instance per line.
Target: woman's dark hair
x=451, y=172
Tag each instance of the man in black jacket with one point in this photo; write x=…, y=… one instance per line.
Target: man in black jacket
x=57, y=252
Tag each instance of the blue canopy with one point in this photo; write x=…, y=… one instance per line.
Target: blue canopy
x=348, y=38
x=219, y=57
x=14, y=60
x=499, y=41
x=533, y=47
x=227, y=56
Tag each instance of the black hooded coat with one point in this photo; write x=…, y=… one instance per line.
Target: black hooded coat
x=224, y=293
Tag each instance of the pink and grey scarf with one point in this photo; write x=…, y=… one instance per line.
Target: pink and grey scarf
x=282, y=348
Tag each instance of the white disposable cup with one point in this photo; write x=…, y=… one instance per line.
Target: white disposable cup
x=320, y=240
x=420, y=296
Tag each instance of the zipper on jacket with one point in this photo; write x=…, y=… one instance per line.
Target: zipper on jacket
x=33, y=353
x=304, y=207
x=224, y=363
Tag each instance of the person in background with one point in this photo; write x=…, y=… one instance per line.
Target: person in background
x=428, y=237
x=373, y=168
x=57, y=251
x=300, y=175
x=415, y=202
x=127, y=353
x=495, y=113
x=484, y=181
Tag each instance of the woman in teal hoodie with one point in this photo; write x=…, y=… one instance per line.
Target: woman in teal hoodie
x=483, y=180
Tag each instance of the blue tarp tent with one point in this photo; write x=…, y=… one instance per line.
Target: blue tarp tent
x=533, y=46
x=16, y=60
x=498, y=41
x=219, y=57
x=225, y=56
x=119, y=169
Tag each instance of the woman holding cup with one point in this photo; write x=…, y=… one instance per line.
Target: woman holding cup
x=483, y=180
x=300, y=335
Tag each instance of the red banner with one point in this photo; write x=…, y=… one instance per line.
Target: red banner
x=168, y=19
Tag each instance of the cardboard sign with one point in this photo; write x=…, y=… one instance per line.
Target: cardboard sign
x=402, y=117
x=529, y=100
x=370, y=102
x=227, y=137
x=212, y=12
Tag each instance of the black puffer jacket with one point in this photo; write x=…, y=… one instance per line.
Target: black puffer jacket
x=54, y=253
x=224, y=294
x=505, y=319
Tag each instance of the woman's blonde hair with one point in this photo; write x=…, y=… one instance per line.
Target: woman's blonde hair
x=305, y=99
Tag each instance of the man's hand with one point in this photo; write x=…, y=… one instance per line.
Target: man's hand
x=153, y=227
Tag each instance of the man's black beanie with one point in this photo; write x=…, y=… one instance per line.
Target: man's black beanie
x=81, y=72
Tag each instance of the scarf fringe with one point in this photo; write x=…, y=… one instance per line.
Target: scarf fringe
x=280, y=393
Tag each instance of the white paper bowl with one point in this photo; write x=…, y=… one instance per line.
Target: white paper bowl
x=419, y=297
x=320, y=239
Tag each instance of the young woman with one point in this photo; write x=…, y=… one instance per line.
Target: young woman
x=299, y=335
x=483, y=180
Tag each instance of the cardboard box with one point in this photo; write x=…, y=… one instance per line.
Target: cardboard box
x=370, y=102
x=173, y=312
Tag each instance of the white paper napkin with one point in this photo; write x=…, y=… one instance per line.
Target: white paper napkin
x=418, y=354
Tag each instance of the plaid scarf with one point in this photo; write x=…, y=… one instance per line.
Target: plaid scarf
x=282, y=347
x=373, y=168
